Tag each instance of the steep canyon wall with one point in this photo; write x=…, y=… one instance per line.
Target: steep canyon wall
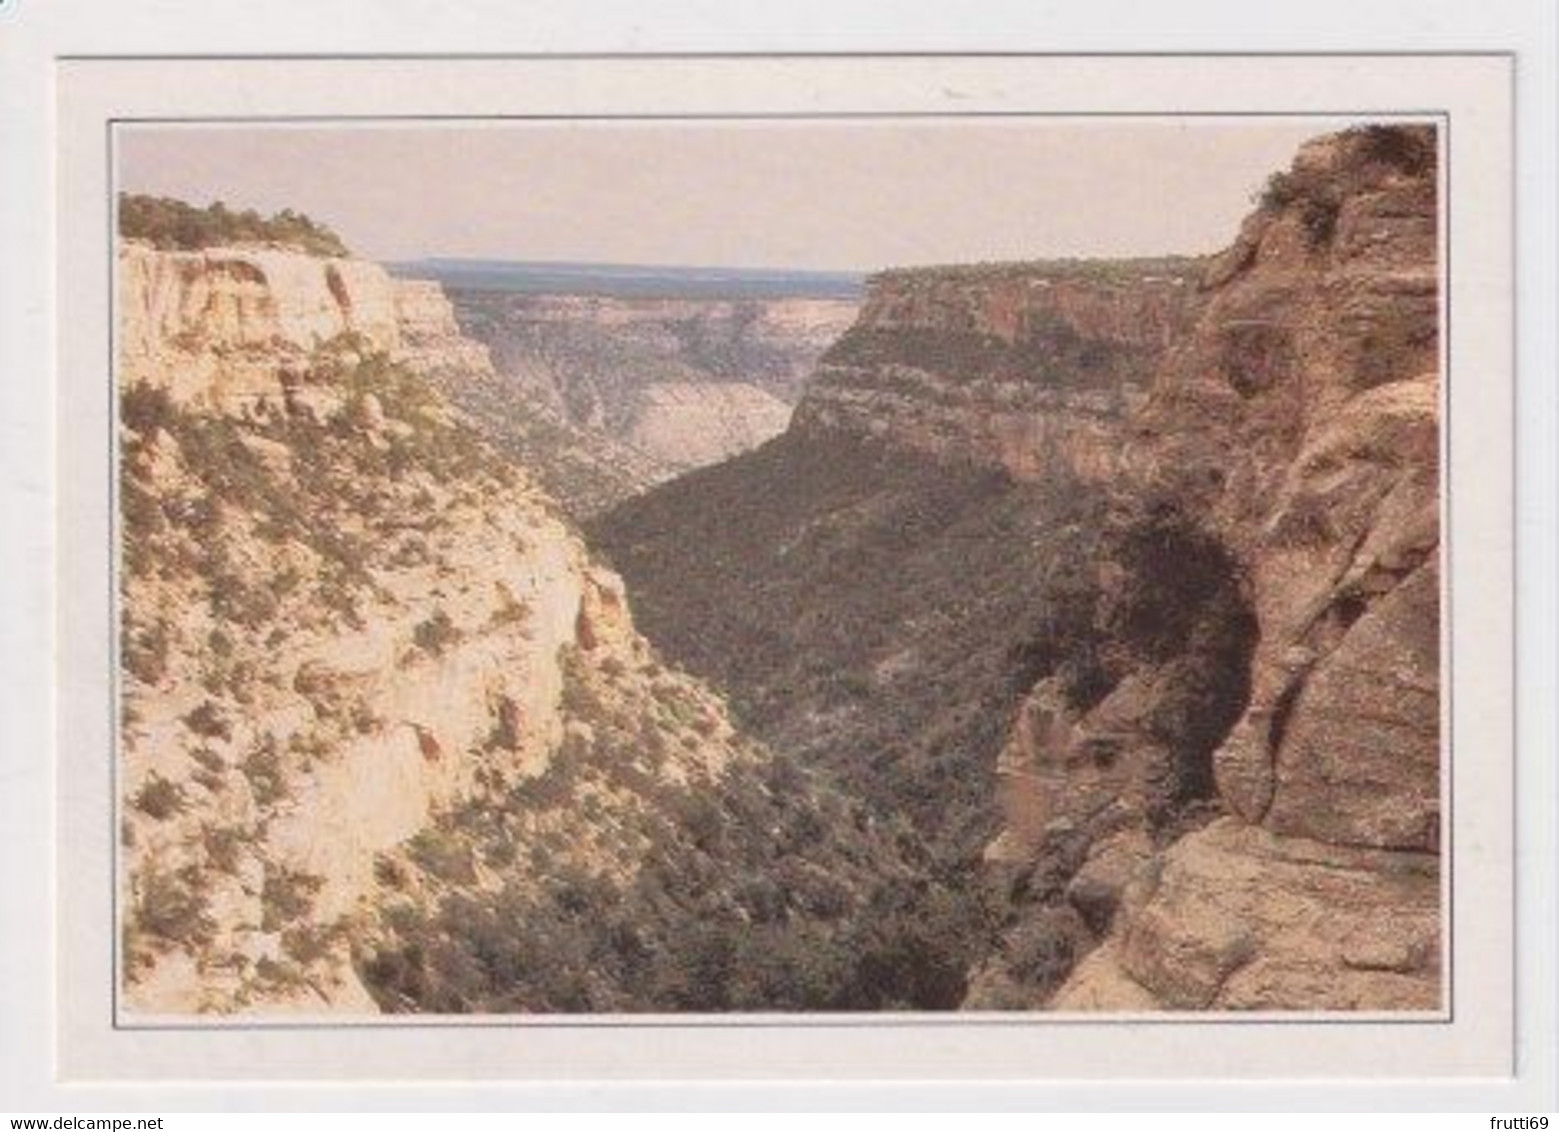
x=1211, y=770
x=389, y=739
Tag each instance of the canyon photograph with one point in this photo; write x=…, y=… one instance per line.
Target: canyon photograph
x=779, y=568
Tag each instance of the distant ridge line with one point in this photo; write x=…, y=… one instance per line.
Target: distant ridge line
x=633, y=280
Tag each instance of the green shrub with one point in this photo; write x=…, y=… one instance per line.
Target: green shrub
x=1408, y=148
x=145, y=650
x=158, y=798
x=1313, y=194
x=141, y=520
x=436, y=634
x=222, y=844
x=208, y=722
x=286, y=895
x=263, y=769
x=236, y=602
x=170, y=224
x=337, y=592
x=309, y=746
x=308, y=943
x=209, y=759
x=443, y=855
x=1319, y=215
x=173, y=907
x=277, y=976
x=144, y=409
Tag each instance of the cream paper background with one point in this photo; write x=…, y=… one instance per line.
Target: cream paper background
x=1469, y=95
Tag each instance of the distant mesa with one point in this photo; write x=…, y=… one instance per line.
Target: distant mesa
x=633, y=281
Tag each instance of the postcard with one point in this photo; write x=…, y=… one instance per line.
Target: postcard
x=892, y=567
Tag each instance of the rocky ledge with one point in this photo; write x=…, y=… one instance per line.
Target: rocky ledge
x=1027, y=367
x=232, y=327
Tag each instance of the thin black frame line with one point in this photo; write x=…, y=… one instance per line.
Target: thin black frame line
x=1448, y=683
x=1030, y=1018
x=825, y=55
x=116, y=542
x=1515, y=563
x=765, y=116
x=536, y=1024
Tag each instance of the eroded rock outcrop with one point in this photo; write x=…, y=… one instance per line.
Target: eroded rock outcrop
x=1298, y=424
x=1234, y=917
x=430, y=338
x=1029, y=367
x=690, y=424
x=1128, y=573
x=339, y=621
x=233, y=327
x=662, y=385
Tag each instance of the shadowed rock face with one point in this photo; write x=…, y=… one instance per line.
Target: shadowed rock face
x=1328, y=465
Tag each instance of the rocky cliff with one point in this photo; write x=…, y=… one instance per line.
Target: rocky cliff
x=230, y=326
x=236, y=328
x=388, y=731
x=1298, y=424
x=1134, y=568
x=1080, y=637
x=669, y=384
x=1027, y=367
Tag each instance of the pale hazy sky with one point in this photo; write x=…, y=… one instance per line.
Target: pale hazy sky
x=848, y=195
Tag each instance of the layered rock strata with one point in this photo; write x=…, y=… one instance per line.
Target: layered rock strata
x=231, y=327
x=1219, y=481
x=1028, y=367
x=1297, y=423
x=677, y=383
x=379, y=704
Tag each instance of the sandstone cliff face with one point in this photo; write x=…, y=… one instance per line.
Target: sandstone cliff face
x=229, y=326
x=1315, y=370
x=1298, y=424
x=430, y=338
x=236, y=329
x=389, y=737
x=666, y=384
x=329, y=614
x=342, y=616
x=1213, y=751
x=690, y=424
x=1029, y=367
